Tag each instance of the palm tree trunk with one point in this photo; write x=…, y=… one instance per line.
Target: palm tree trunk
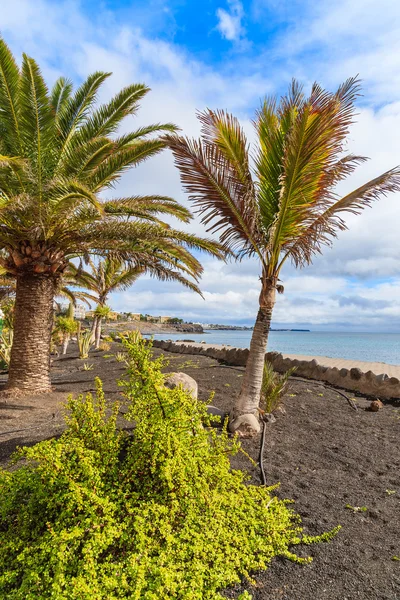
x=94, y=328
x=98, y=332
x=33, y=322
x=244, y=417
x=65, y=343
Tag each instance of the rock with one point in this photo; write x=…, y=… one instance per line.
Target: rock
x=280, y=410
x=189, y=384
x=269, y=418
x=217, y=412
x=245, y=425
x=355, y=373
x=375, y=405
x=382, y=377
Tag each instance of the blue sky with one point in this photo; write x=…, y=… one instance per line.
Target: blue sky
x=229, y=54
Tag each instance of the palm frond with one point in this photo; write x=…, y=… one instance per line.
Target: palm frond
x=326, y=225
x=312, y=146
x=9, y=83
x=60, y=95
x=106, y=119
x=144, y=207
x=66, y=198
x=271, y=133
x=112, y=167
x=78, y=107
x=218, y=194
x=224, y=130
x=142, y=132
x=35, y=118
x=81, y=161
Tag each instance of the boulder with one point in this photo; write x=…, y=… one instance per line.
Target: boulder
x=173, y=380
x=246, y=425
x=355, y=373
x=217, y=412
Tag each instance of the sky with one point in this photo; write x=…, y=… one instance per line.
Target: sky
x=230, y=54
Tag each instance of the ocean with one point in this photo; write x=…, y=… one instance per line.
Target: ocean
x=372, y=347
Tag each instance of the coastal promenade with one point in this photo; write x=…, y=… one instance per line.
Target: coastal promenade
x=342, y=363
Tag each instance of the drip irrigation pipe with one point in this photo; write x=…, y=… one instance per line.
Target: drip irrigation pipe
x=261, y=455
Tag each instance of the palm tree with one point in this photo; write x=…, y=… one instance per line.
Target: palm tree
x=58, y=152
x=106, y=276
x=279, y=203
x=66, y=326
x=112, y=274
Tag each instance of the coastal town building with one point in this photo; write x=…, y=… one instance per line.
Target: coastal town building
x=160, y=319
x=79, y=310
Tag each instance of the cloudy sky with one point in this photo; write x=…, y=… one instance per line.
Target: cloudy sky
x=229, y=54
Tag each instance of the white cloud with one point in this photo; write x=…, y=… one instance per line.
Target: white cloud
x=230, y=22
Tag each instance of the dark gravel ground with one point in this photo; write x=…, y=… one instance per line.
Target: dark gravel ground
x=325, y=454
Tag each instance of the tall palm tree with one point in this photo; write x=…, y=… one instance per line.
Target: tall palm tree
x=279, y=203
x=58, y=151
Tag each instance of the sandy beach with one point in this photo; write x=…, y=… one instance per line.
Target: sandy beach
x=341, y=363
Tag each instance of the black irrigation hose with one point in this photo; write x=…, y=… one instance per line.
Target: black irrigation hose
x=349, y=400
x=261, y=455
x=262, y=444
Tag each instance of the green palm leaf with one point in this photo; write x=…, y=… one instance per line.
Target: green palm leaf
x=144, y=207
x=9, y=100
x=36, y=119
x=60, y=95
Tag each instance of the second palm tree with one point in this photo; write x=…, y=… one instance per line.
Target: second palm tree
x=283, y=205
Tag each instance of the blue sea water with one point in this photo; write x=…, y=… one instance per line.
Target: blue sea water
x=373, y=347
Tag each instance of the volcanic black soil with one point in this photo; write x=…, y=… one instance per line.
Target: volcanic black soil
x=339, y=465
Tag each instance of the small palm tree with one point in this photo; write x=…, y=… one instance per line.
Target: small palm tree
x=281, y=205
x=66, y=326
x=102, y=312
x=58, y=152
x=111, y=274
x=108, y=275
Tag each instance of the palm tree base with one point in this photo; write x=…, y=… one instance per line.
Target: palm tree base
x=7, y=393
x=246, y=425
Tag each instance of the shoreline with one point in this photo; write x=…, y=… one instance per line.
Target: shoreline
x=370, y=378
x=326, y=361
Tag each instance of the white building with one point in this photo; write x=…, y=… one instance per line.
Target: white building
x=79, y=312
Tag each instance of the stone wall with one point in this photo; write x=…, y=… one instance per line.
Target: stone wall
x=368, y=383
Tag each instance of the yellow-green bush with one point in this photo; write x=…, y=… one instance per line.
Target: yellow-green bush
x=157, y=516
x=104, y=346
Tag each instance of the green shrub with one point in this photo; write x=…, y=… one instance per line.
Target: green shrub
x=85, y=341
x=105, y=346
x=274, y=386
x=158, y=516
x=6, y=342
x=66, y=325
